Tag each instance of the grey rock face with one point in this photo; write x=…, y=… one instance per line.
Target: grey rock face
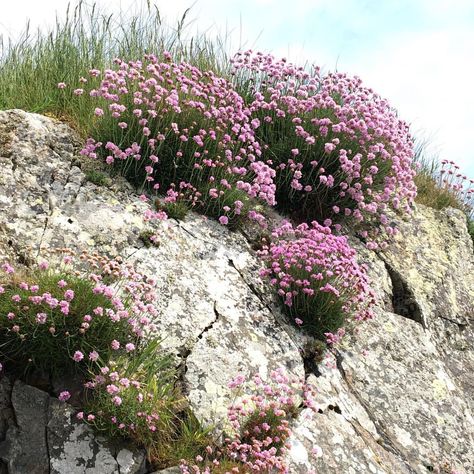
x=211, y=316
x=43, y=437
x=75, y=449
x=25, y=448
x=396, y=398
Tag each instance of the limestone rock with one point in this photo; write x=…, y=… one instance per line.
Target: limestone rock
x=396, y=398
x=75, y=449
x=25, y=448
x=40, y=435
x=210, y=315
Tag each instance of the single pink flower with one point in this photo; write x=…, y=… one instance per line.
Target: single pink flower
x=64, y=396
x=78, y=356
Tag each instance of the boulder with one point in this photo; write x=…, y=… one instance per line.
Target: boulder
x=396, y=397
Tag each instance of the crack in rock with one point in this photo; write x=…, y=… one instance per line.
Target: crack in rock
x=184, y=352
x=385, y=441
x=403, y=300
x=250, y=285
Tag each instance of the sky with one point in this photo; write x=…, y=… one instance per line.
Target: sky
x=419, y=54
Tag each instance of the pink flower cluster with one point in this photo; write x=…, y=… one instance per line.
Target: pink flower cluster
x=338, y=148
x=76, y=311
x=260, y=424
x=316, y=274
x=459, y=184
x=131, y=293
x=182, y=127
x=125, y=401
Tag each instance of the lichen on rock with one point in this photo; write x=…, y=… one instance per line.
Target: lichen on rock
x=395, y=398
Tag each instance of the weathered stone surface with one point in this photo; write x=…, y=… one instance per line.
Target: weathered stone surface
x=219, y=323
x=209, y=314
x=398, y=398
x=170, y=470
x=24, y=448
x=400, y=394
x=434, y=259
x=75, y=449
x=40, y=435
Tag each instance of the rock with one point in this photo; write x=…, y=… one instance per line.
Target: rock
x=400, y=392
x=170, y=470
x=397, y=397
x=25, y=448
x=41, y=436
x=432, y=259
x=75, y=449
x=218, y=325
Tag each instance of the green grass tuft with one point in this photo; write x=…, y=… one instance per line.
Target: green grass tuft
x=32, y=66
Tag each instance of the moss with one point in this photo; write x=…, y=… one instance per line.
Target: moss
x=148, y=237
x=98, y=177
x=175, y=210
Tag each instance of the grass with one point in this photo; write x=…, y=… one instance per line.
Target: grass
x=149, y=238
x=174, y=210
x=98, y=177
x=32, y=66
x=429, y=191
x=432, y=192
x=152, y=413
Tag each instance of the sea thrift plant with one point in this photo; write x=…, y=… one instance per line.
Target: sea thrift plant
x=134, y=397
x=339, y=149
x=65, y=317
x=458, y=184
x=260, y=426
x=317, y=276
x=182, y=132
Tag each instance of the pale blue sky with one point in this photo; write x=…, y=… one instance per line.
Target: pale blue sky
x=417, y=53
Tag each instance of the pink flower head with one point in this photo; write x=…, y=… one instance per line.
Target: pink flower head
x=64, y=396
x=117, y=400
x=78, y=356
x=130, y=347
x=115, y=345
x=7, y=268
x=41, y=318
x=93, y=356
x=224, y=220
x=69, y=295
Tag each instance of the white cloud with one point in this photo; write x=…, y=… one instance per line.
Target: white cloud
x=428, y=77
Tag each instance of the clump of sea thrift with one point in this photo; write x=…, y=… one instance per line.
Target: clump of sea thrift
x=260, y=426
x=181, y=131
x=339, y=150
x=318, y=278
x=460, y=185
x=134, y=397
x=63, y=317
